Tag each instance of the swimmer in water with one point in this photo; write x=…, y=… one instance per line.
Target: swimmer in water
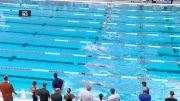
x=96, y=65
x=93, y=83
x=92, y=47
x=109, y=18
x=105, y=25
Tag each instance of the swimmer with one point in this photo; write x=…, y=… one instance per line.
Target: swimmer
x=94, y=48
x=105, y=25
x=109, y=18
x=96, y=65
x=93, y=83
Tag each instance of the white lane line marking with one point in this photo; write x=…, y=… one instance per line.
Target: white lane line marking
x=61, y=40
x=94, y=22
x=50, y=53
x=153, y=34
x=104, y=57
x=97, y=15
x=73, y=21
x=11, y=17
x=132, y=16
x=147, y=11
x=168, y=18
x=112, y=23
x=176, y=47
x=149, y=17
x=150, y=25
x=111, y=32
x=132, y=33
x=132, y=59
x=170, y=26
x=4, y=9
x=40, y=70
x=4, y=26
x=154, y=46
x=86, y=42
x=100, y=74
x=71, y=72
x=79, y=55
x=91, y=31
x=132, y=10
x=107, y=43
x=69, y=30
x=157, y=61
x=79, y=14
x=130, y=24
x=132, y=45
x=177, y=36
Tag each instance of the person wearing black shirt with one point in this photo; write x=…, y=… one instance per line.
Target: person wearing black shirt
x=57, y=95
x=171, y=98
x=43, y=93
x=144, y=85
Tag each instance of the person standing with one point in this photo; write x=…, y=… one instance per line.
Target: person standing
x=86, y=95
x=144, y=96
x=101, y=97
x=7, y=89
x=57, y=82
x=144, y=85
x=34, y=91
x=114, y=96
x=56, y=96
x=171, y=97
x=43, y=93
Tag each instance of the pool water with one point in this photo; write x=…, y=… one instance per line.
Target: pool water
x=140, y=43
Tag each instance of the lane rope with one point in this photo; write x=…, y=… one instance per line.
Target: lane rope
x=89, y=56
x=89, y=42
x=89, y=74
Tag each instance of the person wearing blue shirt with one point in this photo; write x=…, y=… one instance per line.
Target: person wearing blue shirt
x=145, y=96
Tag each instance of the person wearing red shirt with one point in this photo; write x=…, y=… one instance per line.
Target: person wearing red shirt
x=7, y=89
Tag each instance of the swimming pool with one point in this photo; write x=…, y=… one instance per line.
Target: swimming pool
x=140, y=43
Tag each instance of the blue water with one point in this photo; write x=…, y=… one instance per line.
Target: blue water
x=136, y=35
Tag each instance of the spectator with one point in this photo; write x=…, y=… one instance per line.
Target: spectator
x=101, y=97
x=144, y=85
x=171, y=1
x=57, y=83
x=171, y=98
x=7, y=89
x=86, y=94
x=34, y=91
x=43, y=93
x=69, y=96
x=113, y=97
x=145, y=96
x=57, y=95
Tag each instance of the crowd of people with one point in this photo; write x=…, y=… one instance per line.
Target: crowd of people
x=43, y=94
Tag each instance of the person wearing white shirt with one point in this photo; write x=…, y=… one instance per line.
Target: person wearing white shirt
x=113, y=97
x=86, y=95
